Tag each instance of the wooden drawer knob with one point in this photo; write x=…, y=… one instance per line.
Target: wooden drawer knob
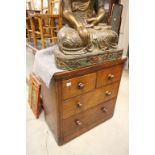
x=78, y=123
x=108, y=93
x=79, y=105
x=110, y=76
x=81, y=85
x=104, y=109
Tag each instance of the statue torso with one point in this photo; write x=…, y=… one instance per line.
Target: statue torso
x=83, y=9
x=84, y=5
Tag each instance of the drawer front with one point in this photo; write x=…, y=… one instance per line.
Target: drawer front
x=76, y=125
x=90, y=99
x=78, y=85
x=109, y=75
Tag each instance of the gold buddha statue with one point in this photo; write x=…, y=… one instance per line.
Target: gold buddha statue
x=84, y=31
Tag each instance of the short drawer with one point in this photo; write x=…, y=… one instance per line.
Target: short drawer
x=83, y=102
x=84, y=121
x=109, y=75
x=78, y=85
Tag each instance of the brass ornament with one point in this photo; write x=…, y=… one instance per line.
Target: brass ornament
x=84, y=31
x=85, y=40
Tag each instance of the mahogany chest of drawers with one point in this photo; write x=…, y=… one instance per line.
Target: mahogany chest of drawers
x=78, y=100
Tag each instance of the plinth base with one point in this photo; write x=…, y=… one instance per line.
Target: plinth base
x=70, y=62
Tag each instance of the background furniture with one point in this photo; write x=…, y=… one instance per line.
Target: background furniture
x=116, y=17
x=34, y=95
x=30, y=29
x=32, y=25
x=49, y=23
x=79, y=100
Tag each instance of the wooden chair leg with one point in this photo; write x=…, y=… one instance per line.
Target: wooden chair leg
x=28, y=35
x=52, y=29
x=55, y=40
x=60, y=22
x=33, y=32
x=55, y=35
x=41, y=32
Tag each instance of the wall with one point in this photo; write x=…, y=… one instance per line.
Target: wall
x=36, y=4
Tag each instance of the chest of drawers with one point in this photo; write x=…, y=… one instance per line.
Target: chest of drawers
x=78, y=100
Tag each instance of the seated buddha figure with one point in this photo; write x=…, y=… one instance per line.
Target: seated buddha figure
x=84, y=31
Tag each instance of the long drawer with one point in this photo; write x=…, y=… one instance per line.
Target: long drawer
x=88, y=100
x=82, y=122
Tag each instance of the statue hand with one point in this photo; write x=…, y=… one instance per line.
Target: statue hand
x=84, y=34
x=93, y=21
